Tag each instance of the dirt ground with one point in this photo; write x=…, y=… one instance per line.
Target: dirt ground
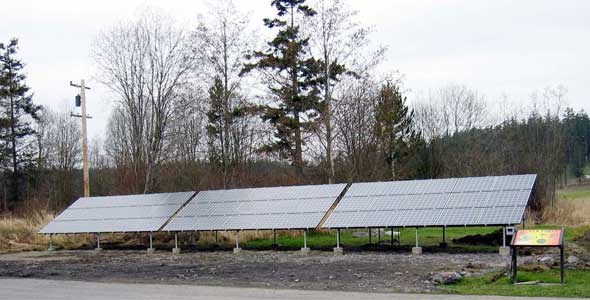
x=322, y=270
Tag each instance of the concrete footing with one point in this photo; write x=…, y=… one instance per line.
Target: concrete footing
x=416, y=250
x=237, y=250
x=443, y=245
x=151, y=250
x=175, y=250
x=338, y=251
x=504, y=251
x=51, y=249
x=305, y=251
x=97, y=249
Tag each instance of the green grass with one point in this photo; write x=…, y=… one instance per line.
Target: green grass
x=428, y=237
x=575, y=193
x=577, y=284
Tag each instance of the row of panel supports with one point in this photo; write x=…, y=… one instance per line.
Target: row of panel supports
x=416, y=250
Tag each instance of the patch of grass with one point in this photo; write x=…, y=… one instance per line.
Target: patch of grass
x=572, y=208
x=326, y=239
x=429, y=238
x=491, y=284
x=21, y=234
x=575, y=193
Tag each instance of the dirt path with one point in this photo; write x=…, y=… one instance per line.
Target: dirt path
x=363, y=272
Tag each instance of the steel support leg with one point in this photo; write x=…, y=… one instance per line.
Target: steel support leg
x=50, y=243
x=370, y=236
x=417, y=250
x=391, y=236
x=338, y=250
x=305, y=250
x=237, y=248
x=444, y=237
x=151, y=249
x=176, y=250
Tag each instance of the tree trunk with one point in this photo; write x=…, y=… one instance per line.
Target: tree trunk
x=14, y=181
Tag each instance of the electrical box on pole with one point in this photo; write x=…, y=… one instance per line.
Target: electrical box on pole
x=81, y=102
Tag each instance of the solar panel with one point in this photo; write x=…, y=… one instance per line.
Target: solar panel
x=293, y=207
x=130, y=213
x=492, y=200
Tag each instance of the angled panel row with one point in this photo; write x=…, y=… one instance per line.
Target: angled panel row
x=131, y=213
x=493, y=200
x=292, y=207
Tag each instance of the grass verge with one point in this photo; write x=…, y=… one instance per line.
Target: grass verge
x=495, y=284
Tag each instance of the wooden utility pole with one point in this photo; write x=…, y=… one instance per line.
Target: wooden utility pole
x=83, y=116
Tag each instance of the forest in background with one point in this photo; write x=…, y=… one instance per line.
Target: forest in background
x=219, y=107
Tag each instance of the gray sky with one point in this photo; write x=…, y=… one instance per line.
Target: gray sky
x=497, y=47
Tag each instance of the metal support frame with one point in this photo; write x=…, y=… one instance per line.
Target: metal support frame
x=237, y=239
x=176, y=240
x=338, y=238
x=391, y=236
x=50, y=243
x=503, y=236
x=151, y=241
x=561, y=264
x=513, y=264
x=216, y=241
x=305, y=238
x=98, y=240
x=274, y=237
x=378, y=236
x=444, y=234
x=370, y=236
x=417, y=238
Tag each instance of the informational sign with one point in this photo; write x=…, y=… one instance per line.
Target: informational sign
x=538, y=238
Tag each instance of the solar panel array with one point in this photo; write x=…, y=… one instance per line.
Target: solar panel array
x=131, y=213
x=494, y=200
x=292, y=207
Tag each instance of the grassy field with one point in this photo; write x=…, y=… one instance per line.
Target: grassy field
x=500, y=284
x=573, y=207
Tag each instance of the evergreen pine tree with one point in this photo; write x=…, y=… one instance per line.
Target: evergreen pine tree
x=394, y=127
x=17, y=112
x=294, y=80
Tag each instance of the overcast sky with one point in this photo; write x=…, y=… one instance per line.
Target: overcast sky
x=497, y=47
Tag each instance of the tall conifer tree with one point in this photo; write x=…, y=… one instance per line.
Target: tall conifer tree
x=294, y=81
x=17, y=111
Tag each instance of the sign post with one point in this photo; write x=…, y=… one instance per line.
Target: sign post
x=538, y=238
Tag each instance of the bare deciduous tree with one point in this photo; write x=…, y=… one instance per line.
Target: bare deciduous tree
x=342, y=44
x=220, y=44
x=450, y=110
x=144, y=62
